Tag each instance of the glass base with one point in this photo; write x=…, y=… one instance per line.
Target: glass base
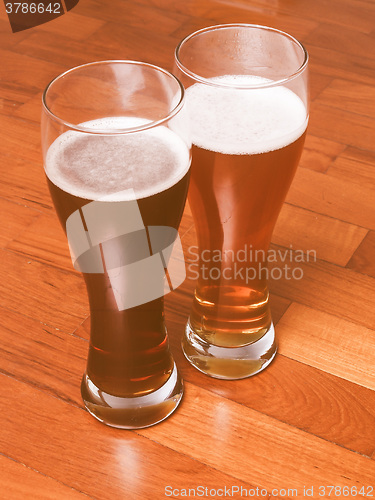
x=229, y=363
x=133, y=413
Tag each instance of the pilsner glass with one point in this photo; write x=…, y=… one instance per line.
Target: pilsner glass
x=247, y=99
x=117, y=161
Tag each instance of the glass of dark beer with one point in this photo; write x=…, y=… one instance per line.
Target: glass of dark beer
x=117, y=161
x=247, y=99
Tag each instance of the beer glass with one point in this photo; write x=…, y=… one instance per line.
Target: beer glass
x=247, y=99
x=117, y=162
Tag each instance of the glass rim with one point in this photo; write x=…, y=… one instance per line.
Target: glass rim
x=217, y=27
x=115, y=131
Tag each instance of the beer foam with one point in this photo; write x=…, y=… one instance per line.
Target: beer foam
x=244, y=120
x=117, y=167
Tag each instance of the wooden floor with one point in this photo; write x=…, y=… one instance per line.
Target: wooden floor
x=308, y=421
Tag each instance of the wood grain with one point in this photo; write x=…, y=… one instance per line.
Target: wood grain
x=353, y=97
x=328, y=288
x=319, y=153
x=22, y=179
x=14, y=218
x=264, y=440
x=128, y=42
x=341, y=14
x=80, y=27
x=15, y=66
x=19, y=482
x=335, y=197
x=332, y=240
x=232, y=12
x=295, y=393
x=362, y=260
x=346, y=127
x=91, y=458
x=42, y=356
x=67, y=302
x=340, y=347
x=309, y=419
x=336, y=64
x=355, y=165
x=348, y=41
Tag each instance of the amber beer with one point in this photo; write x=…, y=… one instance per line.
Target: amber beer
x=246, y=147
x=129, y=354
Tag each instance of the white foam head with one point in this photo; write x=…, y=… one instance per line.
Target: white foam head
x=117, y=167
x=233, y=120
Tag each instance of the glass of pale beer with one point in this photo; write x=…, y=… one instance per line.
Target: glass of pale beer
x=117, y=161
x=247, y=99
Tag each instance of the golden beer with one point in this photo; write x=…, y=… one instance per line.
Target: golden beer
x=117, y=161
x=129, y=351
x=248, y=130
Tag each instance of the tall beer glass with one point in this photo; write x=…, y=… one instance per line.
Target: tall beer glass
x=117, y=161
x=247, y=98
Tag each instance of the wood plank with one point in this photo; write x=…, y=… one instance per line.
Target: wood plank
x=46, y=44
x=355, y=97
x=226, y=432
x=363, y=258
x=131, y=15
x=295, y=393
x=48, y=294
x=328, y=406
x=328, y=343
x=319, y=460
x=80, y=27
x=278, y=306
x=22, y=178
x=317, y=83
x=44, y=241
x=13, y=96
x=52, y=47
x=42, y=356
x=355, y=165
x=332, y=240
x=348, y=41
x=14, y=218
x=343, y=126
x=116, y=463
x=293, y=424
x=334, y=197
x=319, y=153
x=7, y=38
x=190, y=9
x=211, y=13
x=15, y=66
x=360, y=155
x=326, y=61
x=18, y=132
x=340, y=13
x=327, y=288
x=20, y=482
x=127, y=42
x=24, y=183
